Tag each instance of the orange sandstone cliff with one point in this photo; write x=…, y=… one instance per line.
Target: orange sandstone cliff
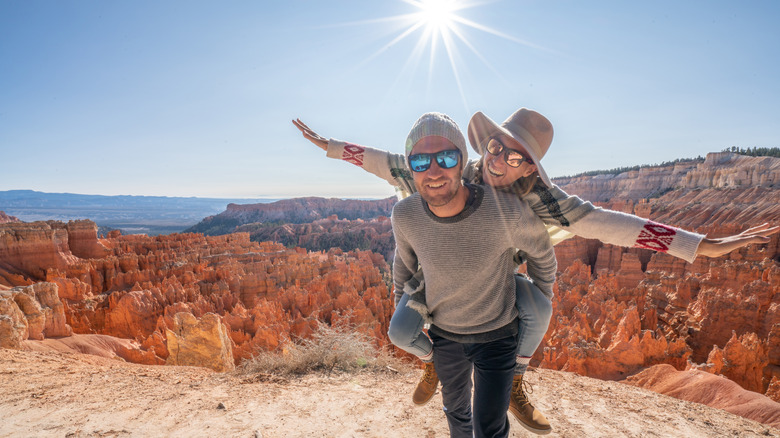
x=619, y=310
x=4, y=218
x=185, y=298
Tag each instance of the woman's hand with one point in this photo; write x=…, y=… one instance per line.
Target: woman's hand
x=724, y=245
x=318, y=140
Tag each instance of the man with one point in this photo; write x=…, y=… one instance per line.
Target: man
x=464, y=237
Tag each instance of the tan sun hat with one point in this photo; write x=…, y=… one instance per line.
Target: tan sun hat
x=530, y=129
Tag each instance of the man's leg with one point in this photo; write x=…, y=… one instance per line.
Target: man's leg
x=494, y=364
x=454, y=370
x=405, y=332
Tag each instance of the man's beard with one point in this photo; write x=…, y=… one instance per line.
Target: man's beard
x=440, y=199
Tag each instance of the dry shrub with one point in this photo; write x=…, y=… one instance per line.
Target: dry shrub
x=330, y=349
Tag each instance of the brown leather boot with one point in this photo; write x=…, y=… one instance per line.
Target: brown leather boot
x=528, y=416
x=427, y=386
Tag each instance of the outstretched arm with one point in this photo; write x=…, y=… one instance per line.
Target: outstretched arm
x=724, y=245
x=318, y=140
x=581, y=218
x=390, y=167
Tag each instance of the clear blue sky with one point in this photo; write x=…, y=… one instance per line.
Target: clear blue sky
x=195, y=98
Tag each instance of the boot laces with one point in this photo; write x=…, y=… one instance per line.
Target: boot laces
x=519, y=389
x=428, y=373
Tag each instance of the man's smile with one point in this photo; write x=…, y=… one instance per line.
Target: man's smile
x=436, y=185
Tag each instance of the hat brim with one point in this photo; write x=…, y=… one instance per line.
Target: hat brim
x=481, y=128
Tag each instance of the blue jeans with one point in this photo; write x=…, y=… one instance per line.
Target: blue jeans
x=493, y=366
x=535, y=310
x=405, y=330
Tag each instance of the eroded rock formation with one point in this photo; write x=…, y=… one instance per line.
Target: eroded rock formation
x=141, y=288
x=200, y=341
x=292, y=211
x=619, y=310
x=374, y=234
x=4, y=218
x=31, y=312
x=712, y=390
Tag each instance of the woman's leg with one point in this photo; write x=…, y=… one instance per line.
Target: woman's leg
x=405, y=331
x=535, y=311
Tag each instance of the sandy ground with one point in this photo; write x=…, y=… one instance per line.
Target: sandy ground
x=48, y=394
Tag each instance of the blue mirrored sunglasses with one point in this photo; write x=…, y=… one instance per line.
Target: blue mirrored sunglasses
x=445, y=159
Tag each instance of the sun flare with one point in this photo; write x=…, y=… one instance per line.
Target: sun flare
x=437, y=15
x=440, y=24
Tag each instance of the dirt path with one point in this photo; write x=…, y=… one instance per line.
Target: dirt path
x=75, y=395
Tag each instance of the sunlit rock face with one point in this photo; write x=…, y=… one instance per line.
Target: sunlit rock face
x=199, y=342
x=4, y=218
x=719, y=170
x=137, y=287
x=292, y=211
x=31, y=312
x=716, y=391
x=619, y=310
x=82, y=240
x=30, y=249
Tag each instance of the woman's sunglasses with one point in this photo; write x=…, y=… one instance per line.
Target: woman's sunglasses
x=445, y=159
x=512, y=157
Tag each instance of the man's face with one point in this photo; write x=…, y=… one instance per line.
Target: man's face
x=437, y=186
x=495, y=170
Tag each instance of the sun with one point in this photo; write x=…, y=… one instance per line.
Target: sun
x=437, y=15
x=440, y=25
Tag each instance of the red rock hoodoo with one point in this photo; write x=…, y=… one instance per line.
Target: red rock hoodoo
x=134, y=286
x=619, y=310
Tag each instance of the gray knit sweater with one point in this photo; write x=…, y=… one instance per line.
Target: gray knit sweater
x=468, y=259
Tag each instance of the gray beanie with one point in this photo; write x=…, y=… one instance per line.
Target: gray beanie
x=440, y=125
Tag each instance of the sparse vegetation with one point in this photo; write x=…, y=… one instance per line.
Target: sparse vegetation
x=660, y=192
x=322, y=235
x=619, y=170
x=330, y=349
x=754, y=151
x=215, y=226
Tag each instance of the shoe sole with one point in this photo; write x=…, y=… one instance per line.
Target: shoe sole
x=424, y=401
x=529, y=428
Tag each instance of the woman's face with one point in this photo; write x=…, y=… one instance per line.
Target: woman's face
x=495, y=170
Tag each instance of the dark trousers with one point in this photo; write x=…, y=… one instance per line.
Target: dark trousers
x=493, y=365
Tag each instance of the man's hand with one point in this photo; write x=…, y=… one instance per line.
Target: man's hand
x=318, y=140
x=724, y=245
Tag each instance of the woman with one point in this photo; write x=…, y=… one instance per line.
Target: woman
x=510, y=160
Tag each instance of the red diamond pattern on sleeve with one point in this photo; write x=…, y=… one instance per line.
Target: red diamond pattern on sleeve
x=353, y=154
x=655, y=236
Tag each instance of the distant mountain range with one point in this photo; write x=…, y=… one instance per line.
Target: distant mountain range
x=131, y=214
